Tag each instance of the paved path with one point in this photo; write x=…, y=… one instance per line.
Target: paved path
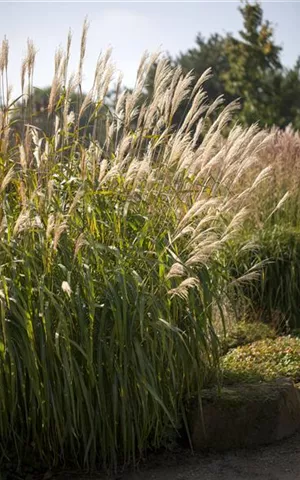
x=279, y=461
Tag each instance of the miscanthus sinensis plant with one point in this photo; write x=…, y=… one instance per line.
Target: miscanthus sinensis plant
x=273, y=230
x=110, y=264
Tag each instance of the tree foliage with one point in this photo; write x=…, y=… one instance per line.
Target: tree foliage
x=254, y=66
x=207, y=54
x=248, y=67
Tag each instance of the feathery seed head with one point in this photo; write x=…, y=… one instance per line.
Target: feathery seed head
x=4, y=55
x=66, y=288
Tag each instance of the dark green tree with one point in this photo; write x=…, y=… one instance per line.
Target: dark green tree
x=248, y=68
x=254, y=68
x=210, y=53
x=289, y=98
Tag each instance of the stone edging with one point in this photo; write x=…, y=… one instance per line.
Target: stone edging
x=245, y=415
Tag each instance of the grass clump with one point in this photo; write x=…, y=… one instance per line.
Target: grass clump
x=110, y=259
x=263, y=360
x=274, y=233
x=273, y=294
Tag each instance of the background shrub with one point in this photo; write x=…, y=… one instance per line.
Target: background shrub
x=273, y=295
x=245, y=332
x=270, y=239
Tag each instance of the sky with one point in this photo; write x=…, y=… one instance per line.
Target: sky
x=129, y=28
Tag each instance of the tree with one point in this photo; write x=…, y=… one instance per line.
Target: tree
x=248, y=68
x=209, y=53
x=290, y=97
x=254, y=68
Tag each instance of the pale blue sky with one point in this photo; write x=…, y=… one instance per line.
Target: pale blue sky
x=130, y=28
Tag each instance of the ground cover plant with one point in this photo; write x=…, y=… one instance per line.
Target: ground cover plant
x=263, y=360
x=112, y=258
